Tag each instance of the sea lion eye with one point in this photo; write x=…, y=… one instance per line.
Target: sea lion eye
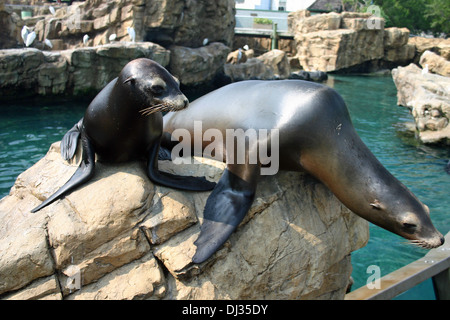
x=409, y=225
x=130, y=79
x=157, y=89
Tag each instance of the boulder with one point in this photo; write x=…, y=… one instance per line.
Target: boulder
x=194, y=66
x=395, y=37
x=331, y=42
x=271, y=65
x=428, y=96
x=435, y=63
x=338, y=49
x=396, y=47
x=174, y=22
x=437, y=45
x=121, y=237
x=8, y=25
x=27, y=72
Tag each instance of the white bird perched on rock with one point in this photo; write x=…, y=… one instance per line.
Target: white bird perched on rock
x=48, y=43
x=112, y=37
x=205, y=41
x=24, y=33
x=52, y=10
x=425, y=70
x=131, y=33
x=239, y=56
x=30, y=38
x=85, y=39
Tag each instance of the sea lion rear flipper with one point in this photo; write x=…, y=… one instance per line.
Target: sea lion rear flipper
x=173, y=181
x=84, y=173
x=225, y=209
x=69, y=142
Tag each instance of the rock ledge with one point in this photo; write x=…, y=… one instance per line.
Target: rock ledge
x=121, y=237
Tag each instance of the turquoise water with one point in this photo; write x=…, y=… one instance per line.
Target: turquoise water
x=28, y=129
x=372, y=103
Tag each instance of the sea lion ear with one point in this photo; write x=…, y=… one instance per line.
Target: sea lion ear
x=176, y=80
x=130, y=78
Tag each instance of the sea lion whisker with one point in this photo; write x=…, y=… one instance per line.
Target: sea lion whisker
x=127, y=143
x=155, y=108
x=149, y=110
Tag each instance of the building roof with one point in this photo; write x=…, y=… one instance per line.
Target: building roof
x=326, y=6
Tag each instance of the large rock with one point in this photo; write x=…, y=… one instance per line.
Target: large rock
x=428, y=96
x=330, y=42
x=268, y=66
x=396, y=47
x=435, y=63
x=194, y=66
x=167, y=22
x=121, y=237
x=27, y=72
x=333, y=42
x=437, y=45
x=338, y=49
x=10, y=33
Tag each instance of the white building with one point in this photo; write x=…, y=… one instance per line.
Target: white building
x=276, y=5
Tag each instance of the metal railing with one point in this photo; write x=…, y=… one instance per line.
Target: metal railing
x=435, y=265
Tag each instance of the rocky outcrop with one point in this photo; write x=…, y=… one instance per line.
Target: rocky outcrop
x=396, y=46
x=197, y=33
x=332, y=42
x=428, y=97
x=436, y=45
x=121, y=237
x=271, y=65
x=435, y=63
x=27, y=72
x=194, y=66
x=174, y=22
x=8, y=22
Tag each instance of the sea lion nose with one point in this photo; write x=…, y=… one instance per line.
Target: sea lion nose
x=185, y=103
x=442, y=240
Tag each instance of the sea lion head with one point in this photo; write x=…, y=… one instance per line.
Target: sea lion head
x=152, y=87
x=402, y=213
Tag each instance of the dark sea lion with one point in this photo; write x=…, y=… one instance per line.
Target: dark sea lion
x=124, y=123
x=316, y=135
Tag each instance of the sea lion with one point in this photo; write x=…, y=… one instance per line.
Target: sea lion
x=316, y=135
x=124, y=123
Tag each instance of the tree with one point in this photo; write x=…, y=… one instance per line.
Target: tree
x=417, y=15
x=438, y=13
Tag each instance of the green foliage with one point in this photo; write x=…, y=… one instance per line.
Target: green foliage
x=262, y=21
x=438, y=13
x=417, y=15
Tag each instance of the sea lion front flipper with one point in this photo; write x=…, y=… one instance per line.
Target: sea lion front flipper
x=69, y=142
x=225, y=209
x=84, y=172
x=173, y=181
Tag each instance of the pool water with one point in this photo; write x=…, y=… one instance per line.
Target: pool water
x=372, y=102
x=28, y=129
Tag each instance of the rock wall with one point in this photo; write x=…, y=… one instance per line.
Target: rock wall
x=332, y=42
x=268, y=66
x=29, y=72
x=194, y=66
x=198, y=34
x=428, y=96
x=121, y=237
x=178, y=22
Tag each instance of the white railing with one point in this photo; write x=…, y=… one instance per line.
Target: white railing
x=435, y=265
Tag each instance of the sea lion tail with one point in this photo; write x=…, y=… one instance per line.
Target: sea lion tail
x=69, y=142
x=84, y=173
